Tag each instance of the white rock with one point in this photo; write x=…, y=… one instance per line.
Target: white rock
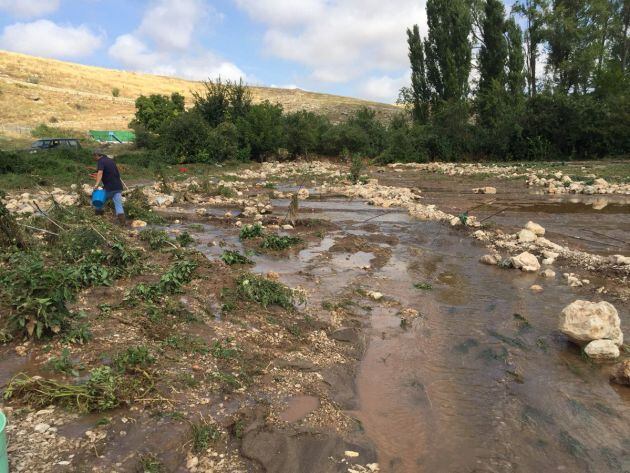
x=303, y=194
x=548, y=273
x=536, y=288
x=485, y=190
x=489, y=260
x=377, y=296
x=41, y=428
x=351, y=454
x=620, y=259
x=526, y=262
x=192, y=463
x=602, y=350
x=138, y=224
x=584, y=321
x=287, y=227
x=526, y=236
x=536, y=229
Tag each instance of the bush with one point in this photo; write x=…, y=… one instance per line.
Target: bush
x=155, y=111
x=115, y=92
x=262, y=129
x=222, y=101
x=304, y=132
x=186, y=138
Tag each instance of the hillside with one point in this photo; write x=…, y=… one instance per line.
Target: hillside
x=35, y=90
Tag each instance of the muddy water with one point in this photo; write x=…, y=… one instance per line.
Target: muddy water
x=594, y=223
x=481, y=381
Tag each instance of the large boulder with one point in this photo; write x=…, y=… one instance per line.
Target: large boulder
x=584, y=321
x=535, y=228
x=602, y=350
x=622, y=373
x=526, y=236
x=526, y=262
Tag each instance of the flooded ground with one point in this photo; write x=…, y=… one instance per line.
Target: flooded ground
x=460, y=365
x=481, y=380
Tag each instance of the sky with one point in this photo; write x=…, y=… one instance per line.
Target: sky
x=355, y=48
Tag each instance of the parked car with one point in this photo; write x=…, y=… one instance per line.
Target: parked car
x=54, y=143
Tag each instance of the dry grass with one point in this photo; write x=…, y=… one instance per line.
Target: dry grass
x=35, y=90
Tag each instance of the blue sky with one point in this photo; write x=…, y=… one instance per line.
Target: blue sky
x=347, y=47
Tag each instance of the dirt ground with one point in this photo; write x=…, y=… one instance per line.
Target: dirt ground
x=400, y=352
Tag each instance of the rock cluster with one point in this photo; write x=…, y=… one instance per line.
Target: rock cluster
x=593, y=325
x=27, y=202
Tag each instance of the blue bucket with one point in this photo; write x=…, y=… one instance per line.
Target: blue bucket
x=99, y=196
x=4, y=459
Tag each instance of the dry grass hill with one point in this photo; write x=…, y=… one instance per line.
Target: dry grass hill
x=35, y=90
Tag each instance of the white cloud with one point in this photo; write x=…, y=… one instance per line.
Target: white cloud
x=164, y=44
x=383, y=88
x=29, y=8
x=339, y=40
x=45, y=38
x=171, y=23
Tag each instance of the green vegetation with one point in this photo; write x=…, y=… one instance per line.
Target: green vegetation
x=251, y=231
x=265, y=292
x=276, y=242
x=171, y=282
x=150, y=464
x=156, y=239
x=99, y=393
x=132, y=357
x=64, y=364
x=202, y=435
x=230, y=258
x=425, y=286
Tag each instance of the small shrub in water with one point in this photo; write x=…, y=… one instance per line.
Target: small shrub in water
x=184, y=239
x=275, y=242
x=234, y=257
x=251, y=231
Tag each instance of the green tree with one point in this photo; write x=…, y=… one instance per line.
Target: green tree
x=185, y=138
x=419, y=92
x=515, y=82
x=494, y=50
x=535, y=14
x=222, y=101
x=447, y=49
x=155, y=110
x=304, y=131
x=262, y=129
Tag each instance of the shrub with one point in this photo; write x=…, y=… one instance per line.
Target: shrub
x=262, y=129
x=133, y=357
x=115, y=92
x=186, y=138
x=265, y=292
x=304, y=132
x=234, y=257
x=251, y=231
x=275, y=242
x=155, y=111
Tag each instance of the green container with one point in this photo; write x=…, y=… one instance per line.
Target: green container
x=4, y=459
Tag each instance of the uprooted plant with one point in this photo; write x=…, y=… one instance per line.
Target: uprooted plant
x=230, y=258
x=279, y=243
x=265, y=292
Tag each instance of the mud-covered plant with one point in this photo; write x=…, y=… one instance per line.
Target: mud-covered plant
x=64, y=364
x=425, y=286
x=202, y=435
x=156, y=239
x=78, y=334
x=251, y=231
x=98, y=393
x=170, y=283
x=150, y=464
x=184, y=239
x=276, y=242
x=221, y=349
x=356, y=169
x=230, y=258
x=11, y=234
x=133, y=357
x=266, y=292
x=186, y=343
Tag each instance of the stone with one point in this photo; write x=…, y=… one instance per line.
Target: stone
x=138, y=224
x=621, y=374
x=536, y=288
x=41, y=428
x=491, y=260
x=377, y=296
x=192, y=463
x=485, y=190
x=346, y=334
x=584, y=321
x=303, y=194
x=536, y=229
x=573, y=280
x=526, y=262
x=548, y=273
x=602, y=350
x=351, y=454
x=287, y=227
x=526, y=236
x=620, y=259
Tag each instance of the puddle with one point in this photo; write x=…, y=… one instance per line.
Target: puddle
x=299, y=407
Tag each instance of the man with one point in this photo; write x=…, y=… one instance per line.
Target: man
x=107, y=174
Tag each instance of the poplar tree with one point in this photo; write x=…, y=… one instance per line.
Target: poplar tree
x=515, y=83
x=447, y=49
x=420, y=94
x=535, y=14
x=494, y=50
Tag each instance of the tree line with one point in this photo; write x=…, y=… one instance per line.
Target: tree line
x=548, y=80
